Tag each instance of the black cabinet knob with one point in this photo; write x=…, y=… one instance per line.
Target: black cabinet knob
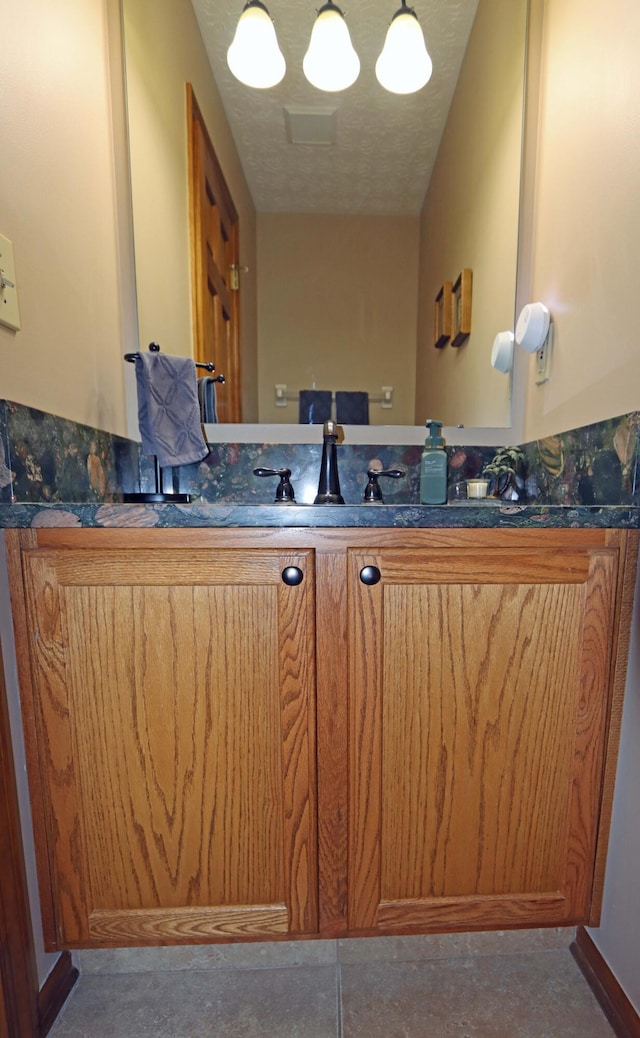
x=292, y=576
x=370, y=575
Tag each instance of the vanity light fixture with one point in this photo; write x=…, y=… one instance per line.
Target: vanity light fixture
x=254, y=56
x=331, y=63
x=404, y=66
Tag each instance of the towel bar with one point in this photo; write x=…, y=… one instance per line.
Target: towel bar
x=154, y=347
x=158, y=496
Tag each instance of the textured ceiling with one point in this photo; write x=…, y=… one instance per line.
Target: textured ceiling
x=386, y=144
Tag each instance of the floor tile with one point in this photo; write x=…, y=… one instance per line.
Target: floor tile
x=535, y=995
x=240, y=956
x=452, y=945
x=267, y=1003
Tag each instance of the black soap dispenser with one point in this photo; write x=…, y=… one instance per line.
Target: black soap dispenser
x=433, y=467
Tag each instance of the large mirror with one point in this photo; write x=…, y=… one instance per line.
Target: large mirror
x=354, y=208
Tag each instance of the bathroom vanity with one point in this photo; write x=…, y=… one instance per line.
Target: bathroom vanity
x=255, y=733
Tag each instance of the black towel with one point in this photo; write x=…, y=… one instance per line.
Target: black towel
x=352, y=408
x=315, y=406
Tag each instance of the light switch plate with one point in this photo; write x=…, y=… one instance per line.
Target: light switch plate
x=9, y=312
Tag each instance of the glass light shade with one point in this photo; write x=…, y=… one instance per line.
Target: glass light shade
x=254, y=56
x=331, y=63
x=404, y=65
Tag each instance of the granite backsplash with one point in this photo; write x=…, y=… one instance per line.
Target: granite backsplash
x=45, y=458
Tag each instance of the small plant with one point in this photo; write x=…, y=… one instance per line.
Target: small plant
x=506, y=470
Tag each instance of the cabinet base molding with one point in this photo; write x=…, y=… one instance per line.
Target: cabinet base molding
x=491, y=912
x=182, y=924
x=55, y=991
x=614, y=1003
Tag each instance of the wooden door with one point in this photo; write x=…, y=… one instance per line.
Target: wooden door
x=18, y=975
x=478, y=696
x=175, y=694
x=215, y=265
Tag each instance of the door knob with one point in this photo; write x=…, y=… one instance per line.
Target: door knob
x=292, y=576
x=370, y=575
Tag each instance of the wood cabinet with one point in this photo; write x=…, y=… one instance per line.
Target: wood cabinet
x=478, y=731
x=417, y=734
x=174, y=712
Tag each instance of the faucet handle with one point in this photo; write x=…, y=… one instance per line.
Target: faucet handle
x=284, y=490
x=372, y=491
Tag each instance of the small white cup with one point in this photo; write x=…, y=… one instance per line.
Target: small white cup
x=477, y=487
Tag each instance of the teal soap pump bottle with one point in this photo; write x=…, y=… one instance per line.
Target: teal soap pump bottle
x=433, y=467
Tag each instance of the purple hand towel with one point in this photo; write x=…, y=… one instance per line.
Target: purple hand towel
x=207, y=400
x=168, y=411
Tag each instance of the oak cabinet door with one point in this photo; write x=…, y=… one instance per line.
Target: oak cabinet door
x=175, y=727
x=478, y=696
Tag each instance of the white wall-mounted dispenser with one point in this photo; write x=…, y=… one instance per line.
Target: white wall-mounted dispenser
x=532, y=327
x=502, y=352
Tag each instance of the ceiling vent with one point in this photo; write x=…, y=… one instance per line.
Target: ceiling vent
x=311, y=125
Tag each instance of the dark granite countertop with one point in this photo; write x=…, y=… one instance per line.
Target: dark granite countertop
x=55, y=472
x=226, y=514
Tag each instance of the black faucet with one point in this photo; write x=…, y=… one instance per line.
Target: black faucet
x=329, y=482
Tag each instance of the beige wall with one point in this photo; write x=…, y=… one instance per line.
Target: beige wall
x=58, y=207
x=337, y=303
x=585, y=245
x=470, y=219
x=164, y=50
x=582, y=252
x=618, y=938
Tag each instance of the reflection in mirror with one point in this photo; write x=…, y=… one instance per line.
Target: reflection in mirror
x=347, y=244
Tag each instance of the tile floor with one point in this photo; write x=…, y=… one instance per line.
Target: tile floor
x=524, y=985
